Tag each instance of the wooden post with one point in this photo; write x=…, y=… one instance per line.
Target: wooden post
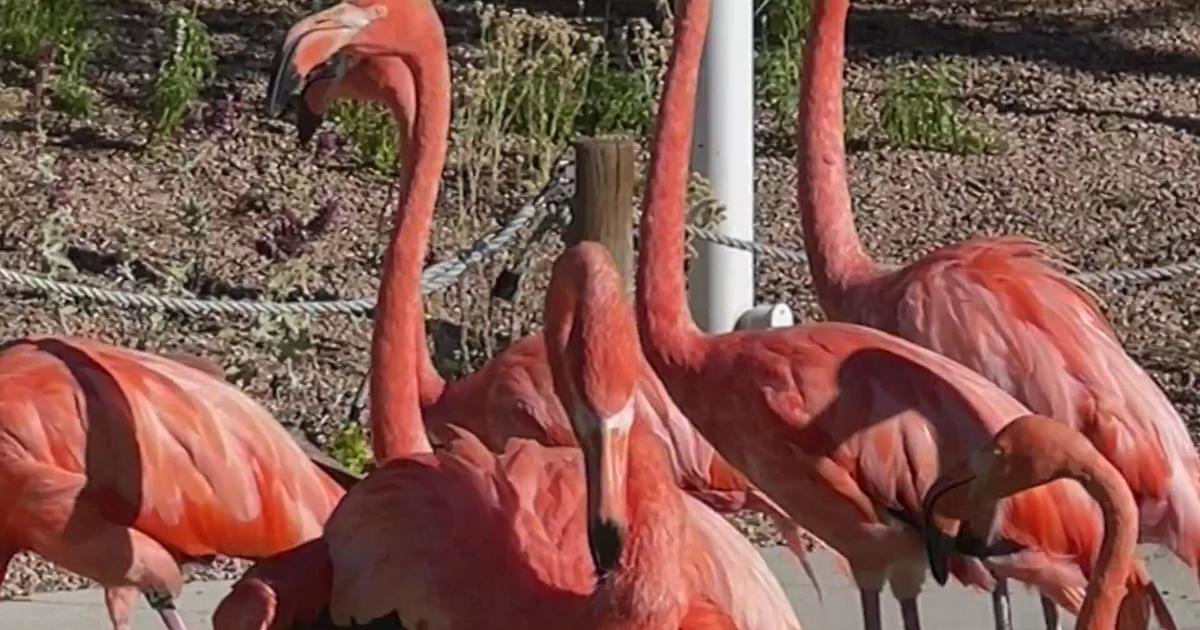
x=603, y=206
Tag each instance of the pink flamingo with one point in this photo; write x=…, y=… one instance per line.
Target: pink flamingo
x=845, y=427
x=118, y=465
x=1032, y=451
x=513, y=521
x=998, y=306
x=513, y=396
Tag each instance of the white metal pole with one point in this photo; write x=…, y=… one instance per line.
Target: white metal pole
x=721, y=279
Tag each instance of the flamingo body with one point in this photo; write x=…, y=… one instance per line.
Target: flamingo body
x=1001, y=307
x=117, y=464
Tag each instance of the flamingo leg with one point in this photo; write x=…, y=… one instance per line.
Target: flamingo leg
x=120, y=601
x=1002, y=605
x=1050, y=614
x=910, y=614
x=870, y=608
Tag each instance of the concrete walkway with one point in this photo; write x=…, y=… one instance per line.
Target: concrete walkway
x=951, y=607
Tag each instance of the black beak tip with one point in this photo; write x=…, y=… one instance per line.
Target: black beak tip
x=936, y=545
x=307, y=123
x=607, y=542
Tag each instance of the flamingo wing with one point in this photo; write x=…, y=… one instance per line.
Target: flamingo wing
x=732, y=578
x=1003, y=309
x=181, y=455
x=432, y=536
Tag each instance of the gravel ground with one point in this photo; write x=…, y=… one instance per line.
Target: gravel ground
x=1095, y=100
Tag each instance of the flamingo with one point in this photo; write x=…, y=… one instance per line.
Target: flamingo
x=118, y=465
x=999, y=306
x=844, y=426
x=1034, y=450
x=513, y=396
x=499, y=540
x=428, y=538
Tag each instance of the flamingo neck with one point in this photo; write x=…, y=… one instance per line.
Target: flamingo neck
x=431, y=384
x=669, y=334
x=397, y=429
x=1107, y=588
x=646, y=586
x=836, y=254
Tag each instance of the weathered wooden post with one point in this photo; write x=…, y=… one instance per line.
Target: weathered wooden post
x=603, y=206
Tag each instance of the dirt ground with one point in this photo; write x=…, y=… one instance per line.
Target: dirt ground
x=1097, y=103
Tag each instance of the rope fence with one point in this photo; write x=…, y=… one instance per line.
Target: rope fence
x=554, y=197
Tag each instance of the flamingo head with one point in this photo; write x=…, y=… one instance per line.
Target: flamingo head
x=352, y=50
x=384, y=80
x=1027, y=452
x=591, y=344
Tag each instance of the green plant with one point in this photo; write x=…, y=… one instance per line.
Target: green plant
x=781, y=34
x=185, y=70
x=522, y=96
x=286, y=336
x=71, y=93
x=351, y=447
x=27, y=24
x=371, y=130
x=195, y=223
x=623, y=97
x=921, y=109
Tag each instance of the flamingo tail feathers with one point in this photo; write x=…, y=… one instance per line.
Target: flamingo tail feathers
x=756, y=500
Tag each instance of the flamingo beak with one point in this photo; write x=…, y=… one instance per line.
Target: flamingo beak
x=312, y=42
x=605, y=446
x=941, y=529
x=317, y=96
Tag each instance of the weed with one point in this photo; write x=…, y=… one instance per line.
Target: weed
x=285, y=336
x=782, y=30
x=289, y=234
x=522, y=97
x=921, y=110
x=351, y=447
x=182, y=74
x=55, y=231
x=71, y=93
x=622, y=92
x=195, y=222
x=25, y=25
x=372, y=131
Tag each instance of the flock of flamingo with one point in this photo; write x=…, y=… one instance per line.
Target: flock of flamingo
x=972, y=414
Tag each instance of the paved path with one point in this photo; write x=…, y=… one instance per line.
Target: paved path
x=952, y=608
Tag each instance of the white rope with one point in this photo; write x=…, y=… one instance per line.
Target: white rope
x=556, y=192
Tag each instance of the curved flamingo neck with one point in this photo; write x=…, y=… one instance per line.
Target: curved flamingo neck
x=669, y=334
x=402, y=107
x=650, y=576
x=397, y=429
x=836, y=254
x=1107, y=588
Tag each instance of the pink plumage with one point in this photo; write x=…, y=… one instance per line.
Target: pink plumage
x=1002, y=307
x=116, y=463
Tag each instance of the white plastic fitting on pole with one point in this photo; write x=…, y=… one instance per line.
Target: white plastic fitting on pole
x=766, y=317
x=721, y=279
